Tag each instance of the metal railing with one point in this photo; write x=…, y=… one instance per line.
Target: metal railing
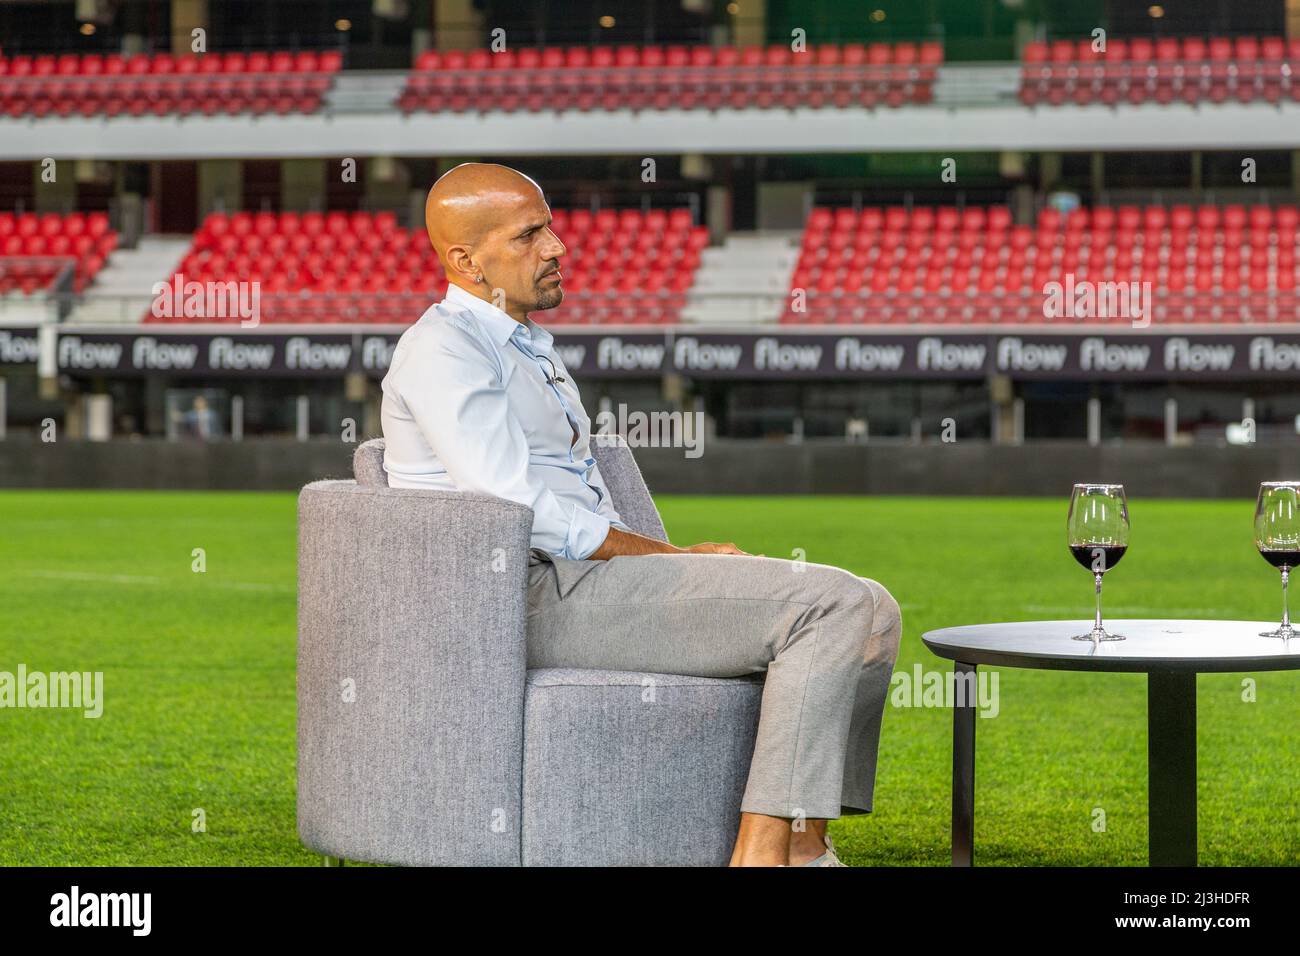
x=59, y=290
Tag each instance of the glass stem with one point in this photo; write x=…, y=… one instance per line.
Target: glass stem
x=1096, y=628
x=1286, y=614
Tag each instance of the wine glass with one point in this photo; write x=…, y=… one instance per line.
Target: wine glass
x=1097, y=531
x=1277, y=535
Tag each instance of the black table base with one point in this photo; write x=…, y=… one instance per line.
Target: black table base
x=1171, y=767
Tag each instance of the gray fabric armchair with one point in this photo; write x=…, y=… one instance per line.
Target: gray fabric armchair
x=424, y=739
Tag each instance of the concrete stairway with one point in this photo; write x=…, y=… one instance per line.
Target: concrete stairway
x=123, y=290
x=745, y=280
x=365, y=92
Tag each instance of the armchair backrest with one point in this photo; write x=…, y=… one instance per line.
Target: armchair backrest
x=613, y=457
x=411, y=668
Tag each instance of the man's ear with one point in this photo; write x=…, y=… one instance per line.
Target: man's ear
x=460, y=262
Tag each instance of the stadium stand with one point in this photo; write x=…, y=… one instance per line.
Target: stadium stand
x=623, y=266
x=672, y=77
x=160, y=84
x=1206, y=264
x=35, y=249
x=1164, y=70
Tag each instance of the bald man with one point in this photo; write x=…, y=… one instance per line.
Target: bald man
x=476, y=399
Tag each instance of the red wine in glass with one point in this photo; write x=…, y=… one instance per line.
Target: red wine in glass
x=1098, y=557
x=1097, y=531
x=1277, y=536
x=1281, y=558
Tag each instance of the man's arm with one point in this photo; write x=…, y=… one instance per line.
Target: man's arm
x=619, y=543
x=460, y=406
x=464, y=414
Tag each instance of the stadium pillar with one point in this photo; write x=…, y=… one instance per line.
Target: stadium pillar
x=302, y=184
x=1098, y=176
x=717, y=212
x=421, y=27
x=1049, y=170
x=371, y=420
x=74, y=416
x=58, y=196
x=415, y=206
x=781, y=205
x=47, y=362
x=130, y=218
x=749, y=23
x=3, y=412
x=237, y=418
x=1094, y=422
x=458, y=25
x=1196, y=178
x=1022, y=204
x=187, y=16
x=303, y=428
x=1002, y=427
x=388, y=181
x=1171, y=421
x=98, y=417
x=133, y=28
x=364, y=391
x=221, y=186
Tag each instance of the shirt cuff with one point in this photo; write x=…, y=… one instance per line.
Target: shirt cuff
x=587, y=532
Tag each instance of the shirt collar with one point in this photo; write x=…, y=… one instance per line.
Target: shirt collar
x=500, y=326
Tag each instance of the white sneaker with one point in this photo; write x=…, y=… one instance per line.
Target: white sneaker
x=828, y=858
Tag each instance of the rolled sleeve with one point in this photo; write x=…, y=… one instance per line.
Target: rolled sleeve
x=587, y=532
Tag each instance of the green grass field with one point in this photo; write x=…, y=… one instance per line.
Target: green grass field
x=199, y=676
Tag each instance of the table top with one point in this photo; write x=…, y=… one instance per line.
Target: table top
x=1152, y=645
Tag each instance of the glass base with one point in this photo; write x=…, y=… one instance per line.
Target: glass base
x=1100, y=635
x=1285, y=632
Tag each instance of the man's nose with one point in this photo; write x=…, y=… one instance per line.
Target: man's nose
x=555, y=248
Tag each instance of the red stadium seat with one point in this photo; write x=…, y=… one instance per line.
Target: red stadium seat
x=927, y=259
x=676, y=77
x=162, y=83
x=1140, y=71
x=331, y=257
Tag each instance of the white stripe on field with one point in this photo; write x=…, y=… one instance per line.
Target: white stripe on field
x=146, y=579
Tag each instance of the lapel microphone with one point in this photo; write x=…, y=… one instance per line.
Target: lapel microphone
x=553, y=377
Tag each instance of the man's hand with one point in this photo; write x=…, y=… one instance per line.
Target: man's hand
x=709, y=547
x=627, y=543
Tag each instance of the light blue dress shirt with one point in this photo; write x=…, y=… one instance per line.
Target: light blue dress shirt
x=470, y=405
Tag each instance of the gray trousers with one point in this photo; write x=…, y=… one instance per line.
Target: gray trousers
x=826, y=638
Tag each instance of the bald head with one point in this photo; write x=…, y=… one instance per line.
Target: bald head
x=468, y=201
x=490, y=226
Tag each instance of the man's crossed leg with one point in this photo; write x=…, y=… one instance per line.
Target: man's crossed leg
x=826, y=638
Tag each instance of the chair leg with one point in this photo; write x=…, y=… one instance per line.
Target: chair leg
x=332, y=860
